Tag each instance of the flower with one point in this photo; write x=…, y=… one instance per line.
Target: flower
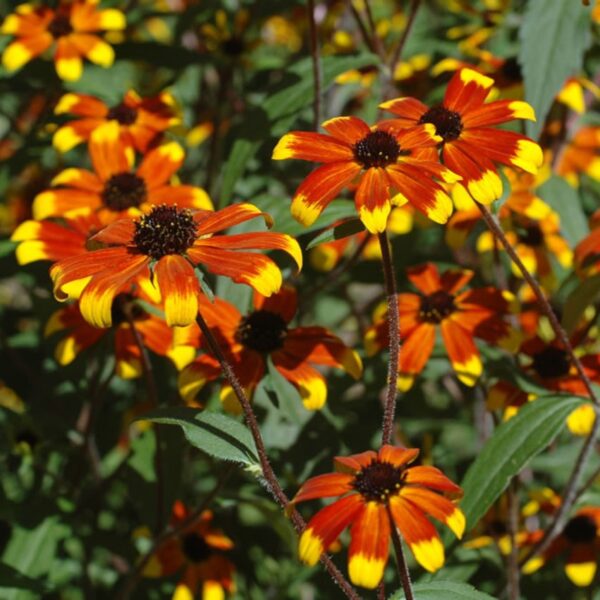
x=198, y=552
x=460, y=315
x=115, y=189
x=141, y=120
x=470, y=143
x=170, y=241
x=581, y=539
x=581, y=156
x=73, y=27
x=265, y=332
x=378, y=491
x=381, y=160
x=175, y=343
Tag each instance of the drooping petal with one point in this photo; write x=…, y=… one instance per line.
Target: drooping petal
x=67, y=59
x=433, y=478
x=462, y=351
x=372, y=199
x=21, y=51
x=325, y=527
x=319, y=188
x=419, y=533
x=416, y=350
x=324, y=486
x=308, y=381
x=234, y=214
x=179, y=289
x=316, y=147
x=196, y=375
x=369, y=547
x=255, y=270
x=437, y=506
x=160, y=164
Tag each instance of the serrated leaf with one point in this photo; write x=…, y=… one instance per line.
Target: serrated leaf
x=213, y=433
x=448, y=590
x=509, y=449
x=585, y=294
x=565, y=200
x=554, y=35
x=338, y=232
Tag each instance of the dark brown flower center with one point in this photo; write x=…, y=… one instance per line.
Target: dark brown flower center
x=125, y=115
x=165, y=230
x=123, y=191
x=262, y=330
x=195, y=548
x=377, y=149
x=436, y=307
x=448, y=123
x=233, y=46
x=60, y=26
x=530, y=235
x=551, y=362
x=580, y=530
x=378, y=481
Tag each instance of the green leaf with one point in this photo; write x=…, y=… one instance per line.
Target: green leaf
x=281, y=108
x=32, y=552
x=339, y=232
x=554, y=36
x=565, y=200
x=585, y=294
x=448, y=590
x=509, y=449
x=213, y=433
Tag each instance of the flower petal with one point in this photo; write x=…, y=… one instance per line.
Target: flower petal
x=324, y=486
x=316, y=147
x=179, y=289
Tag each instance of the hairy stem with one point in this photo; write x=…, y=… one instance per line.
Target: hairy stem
x=272, y=484
x=403, y=571
x=393, y=316
x=316, y=64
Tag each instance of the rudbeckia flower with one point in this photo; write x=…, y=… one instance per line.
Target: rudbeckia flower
x=550, y=365
x=248, y=340
x=471, y=145
x=141, y=120
x=198, y=554
x=391, y=168
x=170, y=241
x=581, y=540
x=176, y=343
x=461, y=316
x=379, y=490
x=115, y=188
x=73, y=28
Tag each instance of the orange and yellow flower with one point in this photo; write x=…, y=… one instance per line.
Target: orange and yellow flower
x=265, y=332
x=581, y=156
x=176, y=343
x=392, y=168
x=581, y=540
x=461, y=316
x=379, y=490
x=471, y=145
x=115, y=188
x=198, y=554
x=169, y=242
x=74, y=29
x=142, y=121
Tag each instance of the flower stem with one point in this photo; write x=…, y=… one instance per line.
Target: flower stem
x=393, y=315
x=560, y=333
x=316, y=63
x=570, y=493
x=272, y=484
x=400, y=560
